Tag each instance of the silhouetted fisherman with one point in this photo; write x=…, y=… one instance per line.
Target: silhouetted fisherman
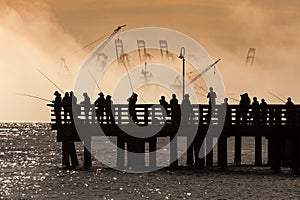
x=290, y=112
x=165, y=105
x=211, y=102
x=67, y=105
x=263, y=112
x=211, y=97
x=75, y=110
x=244, y=107
x=99, y=106
x=255, y=111
x=57, y=107
x=87, y=106
x=108, y=109
x=186, y=108
x=227, y=117
x=132, y=105
x=175, y=110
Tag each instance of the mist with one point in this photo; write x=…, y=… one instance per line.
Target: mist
x=272, y=28
x=36, y=35
x=31, y=39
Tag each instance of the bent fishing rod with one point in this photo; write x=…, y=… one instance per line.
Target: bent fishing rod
x=32, y=96
x=50, y=80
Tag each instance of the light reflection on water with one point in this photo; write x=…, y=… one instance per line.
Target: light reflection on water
x=29, y=168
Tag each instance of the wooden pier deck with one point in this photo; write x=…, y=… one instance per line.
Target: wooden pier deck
x=280, y=127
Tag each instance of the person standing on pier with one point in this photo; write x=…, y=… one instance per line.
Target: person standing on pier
x=57, y=107
x=211, y=102
x=244, y=107
x=108, y=110
x=75, y=110
x=211, y=97
x=87, y=106
x=227, y=117
x=67, y=105
x=132, y=106
x=263, y=112
x=290, y=112
x=186, y=108
x=165, y=105
x=255, y=111
x=99, y=106
x=175, y=110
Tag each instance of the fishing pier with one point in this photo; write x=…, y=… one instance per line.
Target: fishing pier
x=279, y=126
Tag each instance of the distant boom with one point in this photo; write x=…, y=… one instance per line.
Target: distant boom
x=203, y=72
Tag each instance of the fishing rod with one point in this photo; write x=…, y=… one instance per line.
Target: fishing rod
x=98, y=85
x=130, y=82
x=32, y=96
x=95, y=81
x=129, y=78
x=276, y=97
x=233, y=99
x=50, y=80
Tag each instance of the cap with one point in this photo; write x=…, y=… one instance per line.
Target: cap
x=56, y=93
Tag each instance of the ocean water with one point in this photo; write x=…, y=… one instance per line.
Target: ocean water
x=30, y=161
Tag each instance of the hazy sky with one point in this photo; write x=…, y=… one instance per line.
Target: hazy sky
x=36, y=34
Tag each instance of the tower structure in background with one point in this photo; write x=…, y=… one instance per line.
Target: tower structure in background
x=250, y=56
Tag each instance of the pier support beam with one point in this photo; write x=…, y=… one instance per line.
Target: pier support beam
x=238, y=150
x=87, y=160
x=295, y=154
x=190, y=152
x=199, y=147
x=152, y=152
x=258, y=150
x=222, y=151
x=120, y=153
x=276, y=154
x=270, y=146
x=173, y=152
x=209, y=151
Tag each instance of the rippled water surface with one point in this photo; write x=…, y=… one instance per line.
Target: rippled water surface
x=30, y=168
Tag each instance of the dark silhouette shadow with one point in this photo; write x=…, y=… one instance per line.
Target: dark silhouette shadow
x=228, y=112
x=67, y=105
x=263, y=112
x=255, y=111
x=75, y=110
x=211, y=102
x=290, y=112
x=99, y=106
x=57, y=107
x=186, y=109
x=86, y=103
x=244, y=108
x=69, y=151
x=165, y=105
x=175, y=111
x=108, y=109
x=132, y=107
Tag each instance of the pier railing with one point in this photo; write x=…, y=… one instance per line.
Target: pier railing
x=147, y=114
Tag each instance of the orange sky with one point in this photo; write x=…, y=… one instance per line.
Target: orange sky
x=35, y=34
